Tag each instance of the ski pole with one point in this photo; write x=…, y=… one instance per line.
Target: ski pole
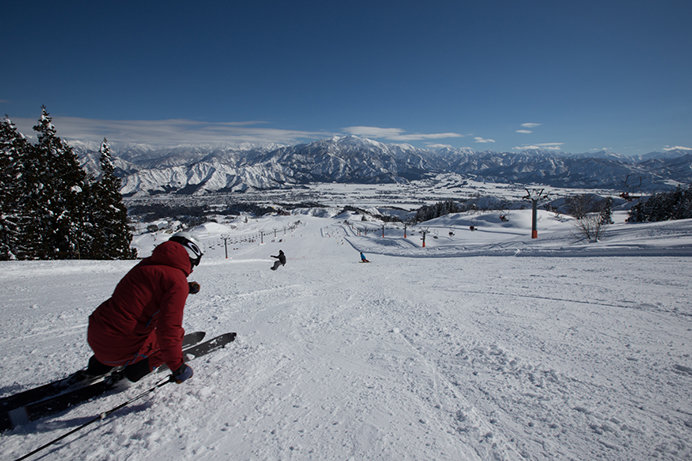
x=101, y=416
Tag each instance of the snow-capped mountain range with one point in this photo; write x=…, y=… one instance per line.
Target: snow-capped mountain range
x=349, y=159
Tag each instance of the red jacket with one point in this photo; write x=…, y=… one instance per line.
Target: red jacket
x=143, y=318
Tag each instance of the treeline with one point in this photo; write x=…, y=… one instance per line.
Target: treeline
x=193, y=215
x=664, y=206
x=659, y=207
x=428, y=212
x=50, y=208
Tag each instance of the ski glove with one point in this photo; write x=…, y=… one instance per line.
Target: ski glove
x=182, y=373
x=194, y=287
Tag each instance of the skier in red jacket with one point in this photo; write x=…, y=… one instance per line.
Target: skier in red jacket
x=140, y=326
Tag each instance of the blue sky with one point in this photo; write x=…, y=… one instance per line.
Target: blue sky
x=490, y=75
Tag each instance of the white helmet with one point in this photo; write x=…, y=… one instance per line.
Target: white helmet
x=194, y=249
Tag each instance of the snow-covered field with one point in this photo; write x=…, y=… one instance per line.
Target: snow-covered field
x=460, y=350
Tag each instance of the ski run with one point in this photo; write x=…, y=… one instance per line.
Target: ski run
x=485, y=344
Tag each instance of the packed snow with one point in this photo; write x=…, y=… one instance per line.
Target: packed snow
x=484, y=344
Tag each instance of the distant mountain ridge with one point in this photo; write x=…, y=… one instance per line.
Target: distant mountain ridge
x=350, y=159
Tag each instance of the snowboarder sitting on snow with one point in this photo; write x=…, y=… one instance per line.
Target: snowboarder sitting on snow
x=363, y=259
x=281, y=260
x=140, y=326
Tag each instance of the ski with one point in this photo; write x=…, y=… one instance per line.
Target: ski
x=76, y=379
x=191, y=339
x=208, y=346
x=35, y=410
x=203, y=348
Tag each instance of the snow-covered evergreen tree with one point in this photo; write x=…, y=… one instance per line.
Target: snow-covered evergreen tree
x=112, y=236
x=60, y=194
x=13, y=213
x=50, y=208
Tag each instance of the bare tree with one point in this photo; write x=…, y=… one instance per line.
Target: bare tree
x=591, y=226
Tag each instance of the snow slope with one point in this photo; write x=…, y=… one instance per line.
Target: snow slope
x=472, y=353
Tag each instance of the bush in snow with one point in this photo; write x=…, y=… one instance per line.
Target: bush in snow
x=592, y=225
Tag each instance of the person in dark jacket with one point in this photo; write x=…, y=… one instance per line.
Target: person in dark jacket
x=280, y=260
x=140, y=326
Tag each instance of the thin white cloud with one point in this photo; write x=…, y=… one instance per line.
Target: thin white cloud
x=172, y=132
x=439, y=146
x=483, y=140
x=541, y=146
x=530, y=125
x=668, y=148
x=524, y=131
x=396, y=134
x=175, y=132
x=374, y=132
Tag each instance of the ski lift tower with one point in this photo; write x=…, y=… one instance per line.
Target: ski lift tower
x=225, y=238
x=425, y=231
x=535, y=195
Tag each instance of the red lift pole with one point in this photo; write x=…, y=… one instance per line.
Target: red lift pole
x=535, y=196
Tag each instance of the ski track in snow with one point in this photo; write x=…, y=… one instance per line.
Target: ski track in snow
x=452, y=358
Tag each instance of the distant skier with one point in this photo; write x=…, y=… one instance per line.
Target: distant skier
x=363, y=259
x=140, y=326
x=280, y=260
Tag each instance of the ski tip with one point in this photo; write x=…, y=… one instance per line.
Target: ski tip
x=228, y=338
